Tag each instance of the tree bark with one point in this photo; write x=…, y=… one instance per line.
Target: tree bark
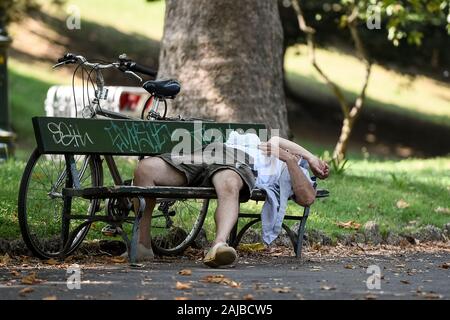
x=228, y=57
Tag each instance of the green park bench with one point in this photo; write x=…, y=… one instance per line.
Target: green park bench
x=105, y=138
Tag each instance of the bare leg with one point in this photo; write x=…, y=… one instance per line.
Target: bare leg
x=154, y=172
x=227, y=184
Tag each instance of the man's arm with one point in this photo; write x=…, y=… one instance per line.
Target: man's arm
x=304, y=192
x=320, y=168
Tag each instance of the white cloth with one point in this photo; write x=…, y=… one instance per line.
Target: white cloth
x=272, y=177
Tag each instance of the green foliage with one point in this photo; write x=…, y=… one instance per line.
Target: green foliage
x=14, y=10
x=403, y=19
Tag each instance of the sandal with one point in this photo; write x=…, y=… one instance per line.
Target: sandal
x=220, y=254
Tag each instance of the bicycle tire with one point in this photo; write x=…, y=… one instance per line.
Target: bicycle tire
x=183, y=244
x=30, y=238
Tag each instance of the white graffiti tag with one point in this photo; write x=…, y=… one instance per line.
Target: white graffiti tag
x=68, y=135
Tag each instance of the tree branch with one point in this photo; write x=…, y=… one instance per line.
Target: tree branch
x=312, y=52
x=361, y=52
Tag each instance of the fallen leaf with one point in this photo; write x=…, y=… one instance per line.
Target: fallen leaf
x=5, y=259
x=442, y=210
x=405, y=281
x=51, y=262
x=252, y=247
x=349, y=266
x=327, y=288
x=248, y=297
x=282, y=290
x=15, y=273
x=370, y=297
x=185, y=272
x=402, y=204
x=181, y=298
x=431, y=295
x=29, y=279
x=118, y=259
x=221, y=279
x=50, y=298
x=349, y=225
x=25, y=291
x=183, y=285
x=445, y=265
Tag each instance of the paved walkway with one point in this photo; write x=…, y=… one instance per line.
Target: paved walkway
x=403, y=276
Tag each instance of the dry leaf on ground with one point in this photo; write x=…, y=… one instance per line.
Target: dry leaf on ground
x=118, y=259
x=221, y=279
x=15, y=273
x=50, y=298
x=282, y=290
x=5, y=259
x=327, y=288
x=25, y=291
x=248, y=297
x=183, y=285
x=185, y=272
x=349, y=225
x=30, y=279
x=251, y=247
x=51, y=262
x=402, y=204
x=181, y=298
x=442, y=210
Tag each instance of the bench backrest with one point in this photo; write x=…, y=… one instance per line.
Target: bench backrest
x=127, y=137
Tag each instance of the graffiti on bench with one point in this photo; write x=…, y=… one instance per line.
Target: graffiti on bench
x=127, y=137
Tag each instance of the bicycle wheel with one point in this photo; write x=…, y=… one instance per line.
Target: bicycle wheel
x=40, y=202
x=176, y=224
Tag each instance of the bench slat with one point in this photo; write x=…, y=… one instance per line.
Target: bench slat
x=127, y=137
x=160, y=192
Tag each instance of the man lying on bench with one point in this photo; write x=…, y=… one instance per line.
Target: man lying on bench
x=279, y=167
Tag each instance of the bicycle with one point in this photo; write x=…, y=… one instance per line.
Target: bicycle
x=176, y=222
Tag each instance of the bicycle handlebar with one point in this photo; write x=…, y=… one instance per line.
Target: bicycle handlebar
x=123, y=64
x=142, y=69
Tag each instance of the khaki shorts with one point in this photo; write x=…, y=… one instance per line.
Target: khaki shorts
x=199, y=173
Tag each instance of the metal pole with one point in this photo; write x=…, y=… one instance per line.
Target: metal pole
x=6, y=135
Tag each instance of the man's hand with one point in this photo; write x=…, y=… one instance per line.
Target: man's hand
x=319, y=167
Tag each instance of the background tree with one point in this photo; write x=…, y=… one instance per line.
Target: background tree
x=228, y=56
x=402, y=20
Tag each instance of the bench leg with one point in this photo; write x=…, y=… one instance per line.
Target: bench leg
x=132, y=253
x=233, y=235
x=301, y=233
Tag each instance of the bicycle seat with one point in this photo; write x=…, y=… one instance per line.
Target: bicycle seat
x=163, y=88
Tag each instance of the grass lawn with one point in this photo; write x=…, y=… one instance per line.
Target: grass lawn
x=366, y=191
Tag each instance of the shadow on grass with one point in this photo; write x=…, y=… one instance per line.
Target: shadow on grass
x=27, y=100
x=96, y=41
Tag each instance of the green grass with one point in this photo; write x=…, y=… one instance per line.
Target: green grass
x=366, y=191
x=420, y=97
x=29, y=88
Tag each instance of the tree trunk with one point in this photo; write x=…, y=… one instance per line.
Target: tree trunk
x=228, y=56
x=341, y=147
